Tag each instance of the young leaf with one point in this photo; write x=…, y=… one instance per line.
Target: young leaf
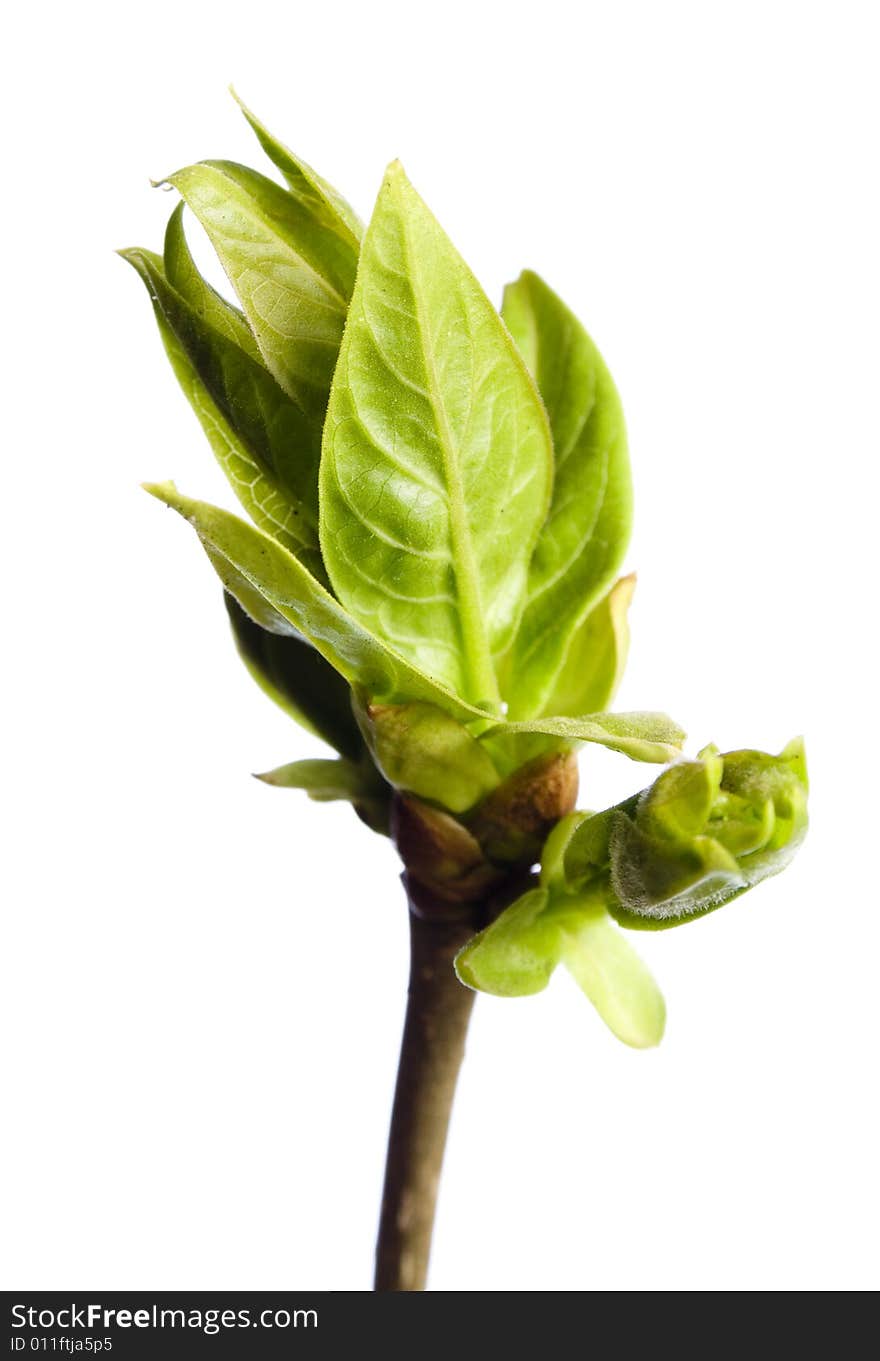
x=705, y=832
x=239, y=552
x=324, y=781
x=183, y=275
x=610, y=973
x=321, y=203
x=515, y=956
x=588, y=525
x=274, y=257
x=299, y=680
x=596, y=658
x=242, y=554
x=436, y=462
x=258, y=435
x=669, y=882
x=647, y=736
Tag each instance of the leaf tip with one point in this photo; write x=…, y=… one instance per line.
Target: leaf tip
x=163, y=491
x=134, y=256
x=395, y=174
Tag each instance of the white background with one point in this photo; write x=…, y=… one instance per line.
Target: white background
x=204, y=977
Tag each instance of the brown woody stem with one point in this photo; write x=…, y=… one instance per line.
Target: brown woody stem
x=437, y=1015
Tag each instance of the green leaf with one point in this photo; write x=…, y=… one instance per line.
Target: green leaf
x=646, y=736
x=702, y=834
x=610, y=973
x=515, y=956
x=554, y=873
x=274, y=257
x=421, y=749
x=299, y=680
x=585, y=536
x=256, y=432
x=324, y=781
x=678, y=804
x=252, y=565
x=209, y=306
x=664, y=882
x=239, y=552
x=334, y=218
x=596, y=656
x=436, y=463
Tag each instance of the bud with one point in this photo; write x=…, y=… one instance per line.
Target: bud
x=513, y=823
x=423, y=750
x=440, y=853
x=703, y=833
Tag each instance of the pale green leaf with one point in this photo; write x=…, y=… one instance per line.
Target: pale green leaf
x=554, y=872
x=596, y=656
x=651, y=737
x=320, y=202
x=273, y=257
x=324, y=781
x=585, y=536
x=678, y=804
x=256, y=432
x=258, y=608
x=436, y=463
x=611, y=974
x=515, y=956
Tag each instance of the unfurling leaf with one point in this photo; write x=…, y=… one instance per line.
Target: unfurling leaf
x=583, y=541
x=288, y=284
x=436, y=464
x=706, y=831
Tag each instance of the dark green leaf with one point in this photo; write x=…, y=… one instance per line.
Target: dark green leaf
x=298, y=678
